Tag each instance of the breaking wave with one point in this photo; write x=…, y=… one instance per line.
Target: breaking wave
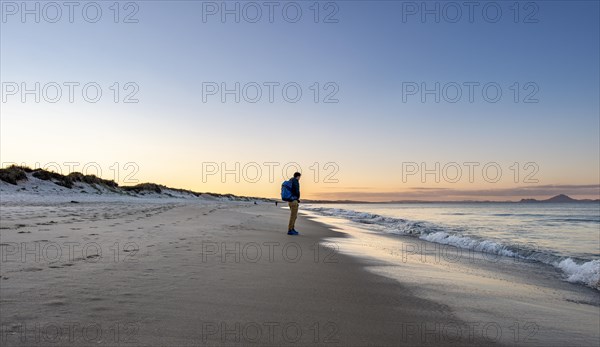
x=575, y=270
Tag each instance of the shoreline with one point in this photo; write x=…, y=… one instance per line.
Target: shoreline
x=200, y=274
x=578, y=266
x=526, y=301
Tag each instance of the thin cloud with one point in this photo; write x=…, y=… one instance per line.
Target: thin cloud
x=589, y=191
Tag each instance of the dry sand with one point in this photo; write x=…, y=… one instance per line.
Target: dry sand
x=196, y=274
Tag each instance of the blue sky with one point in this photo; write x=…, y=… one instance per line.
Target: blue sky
x=369, y=53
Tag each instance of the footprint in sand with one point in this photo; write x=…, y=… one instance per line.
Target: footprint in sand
x=32, y=269
x=55, y=303
x=95, y=298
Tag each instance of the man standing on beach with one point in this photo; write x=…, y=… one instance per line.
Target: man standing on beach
x=294, y=203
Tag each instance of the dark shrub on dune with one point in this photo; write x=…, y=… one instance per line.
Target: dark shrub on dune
x=91, y=179
x=144, y=187
x=69, y=180
x=13, y=174
x=185, y=191
x=54, y=177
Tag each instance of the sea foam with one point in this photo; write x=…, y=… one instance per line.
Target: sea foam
x=575, y=270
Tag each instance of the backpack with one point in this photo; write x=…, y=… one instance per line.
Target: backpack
x=286, y=191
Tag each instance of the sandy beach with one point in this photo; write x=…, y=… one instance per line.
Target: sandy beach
x=206, y=273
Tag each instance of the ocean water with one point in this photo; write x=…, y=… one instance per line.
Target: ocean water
x=566, y=236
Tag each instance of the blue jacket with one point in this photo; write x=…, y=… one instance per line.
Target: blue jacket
x=295, y=187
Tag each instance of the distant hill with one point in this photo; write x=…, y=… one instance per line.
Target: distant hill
x=561, y=198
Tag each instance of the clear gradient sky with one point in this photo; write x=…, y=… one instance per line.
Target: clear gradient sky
x=370, y=51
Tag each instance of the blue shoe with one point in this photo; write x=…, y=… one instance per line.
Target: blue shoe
x=292, y=232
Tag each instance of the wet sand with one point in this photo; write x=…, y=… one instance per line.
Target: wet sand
x=507, y=300
x=198, y=274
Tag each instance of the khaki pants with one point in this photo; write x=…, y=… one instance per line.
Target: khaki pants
x=293, y=214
